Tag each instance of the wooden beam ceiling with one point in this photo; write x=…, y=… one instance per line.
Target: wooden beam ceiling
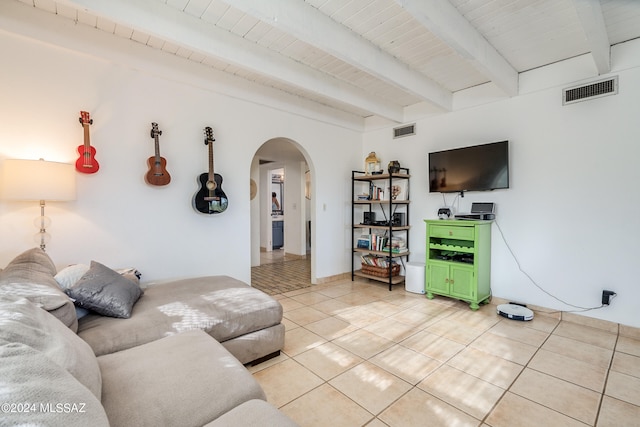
x=592, y=19
x=168, y=23
x=443, y=20
x=308, y=24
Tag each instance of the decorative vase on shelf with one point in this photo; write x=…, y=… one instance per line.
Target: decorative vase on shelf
x=394, y=166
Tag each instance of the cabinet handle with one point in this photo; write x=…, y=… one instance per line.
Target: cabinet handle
x=451, y=281
x=450, y=233
x=446, y=280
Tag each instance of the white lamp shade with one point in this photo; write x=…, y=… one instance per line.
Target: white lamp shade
x=38, y=180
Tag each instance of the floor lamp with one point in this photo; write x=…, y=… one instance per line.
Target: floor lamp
x=28, y=180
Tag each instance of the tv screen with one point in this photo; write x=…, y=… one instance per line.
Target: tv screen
x=476, y=168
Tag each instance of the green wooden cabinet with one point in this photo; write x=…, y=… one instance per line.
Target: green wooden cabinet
x=458, y=263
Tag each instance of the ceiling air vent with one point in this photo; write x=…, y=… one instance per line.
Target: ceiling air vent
x=590, y=91
x=404, y=131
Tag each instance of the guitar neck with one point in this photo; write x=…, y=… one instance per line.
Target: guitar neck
x=87, y=140
x=211, y=171
x=157, y=144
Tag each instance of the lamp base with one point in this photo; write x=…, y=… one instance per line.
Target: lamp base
x=42, y=222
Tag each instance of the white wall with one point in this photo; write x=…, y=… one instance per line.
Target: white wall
x=118, y=219
x=293, y=206
x=570, y=215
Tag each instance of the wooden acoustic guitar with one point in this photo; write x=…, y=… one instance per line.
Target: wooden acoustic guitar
x=210, y=199
x=87, y=162
x=157, y=173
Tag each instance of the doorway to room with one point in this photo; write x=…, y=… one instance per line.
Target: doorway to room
x=281, y=257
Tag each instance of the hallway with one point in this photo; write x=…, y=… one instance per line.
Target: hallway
x=279, y=273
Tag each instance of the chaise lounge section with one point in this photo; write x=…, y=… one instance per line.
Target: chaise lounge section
x=244, y=320
x=164, y=366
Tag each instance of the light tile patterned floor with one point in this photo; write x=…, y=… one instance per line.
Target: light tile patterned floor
x=356, y=354
x=272, y=278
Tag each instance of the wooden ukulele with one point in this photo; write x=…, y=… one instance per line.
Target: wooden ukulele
x=87, y=162
x=210, y=199
x=157, y=174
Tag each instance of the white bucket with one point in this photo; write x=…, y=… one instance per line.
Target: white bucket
x=414, y=277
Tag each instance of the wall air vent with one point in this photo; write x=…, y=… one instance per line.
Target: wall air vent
x=402, y=131
x=590, y=91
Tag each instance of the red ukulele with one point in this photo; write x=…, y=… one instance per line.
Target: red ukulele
x=86, y=163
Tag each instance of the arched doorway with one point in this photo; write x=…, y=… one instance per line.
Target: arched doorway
x=281, y=232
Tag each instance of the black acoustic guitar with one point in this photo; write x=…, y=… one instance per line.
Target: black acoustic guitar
x=210, y=199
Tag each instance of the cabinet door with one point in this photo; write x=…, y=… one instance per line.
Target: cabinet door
x=438, y=277
x=462, y=282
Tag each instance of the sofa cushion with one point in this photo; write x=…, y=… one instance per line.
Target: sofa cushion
x=130, y=273
x=31, y=275
x=105, y=291
x=254, y=413
x=69, y=275
x=23, y=322
x=183, y=380
x=52, y=396
x=223, y=307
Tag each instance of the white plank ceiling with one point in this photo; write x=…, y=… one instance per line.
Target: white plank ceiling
x=368, y=57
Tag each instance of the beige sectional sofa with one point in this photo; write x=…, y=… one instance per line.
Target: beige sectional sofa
x=246, y=321
x=162, y=366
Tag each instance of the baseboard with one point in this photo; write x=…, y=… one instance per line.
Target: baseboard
x=329, y=279
x=297, y=256
x=604, y=325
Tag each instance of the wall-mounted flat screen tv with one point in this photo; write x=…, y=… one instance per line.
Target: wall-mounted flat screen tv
x=476, y=168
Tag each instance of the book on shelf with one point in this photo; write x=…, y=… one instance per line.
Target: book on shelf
x=364, y=241
x=373, y=242
x=398, y=246
x=378, y=242
x=376, y=261
x=395, y=250
x=376, y=192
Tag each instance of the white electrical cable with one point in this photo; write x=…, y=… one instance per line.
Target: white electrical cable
x=581, y=309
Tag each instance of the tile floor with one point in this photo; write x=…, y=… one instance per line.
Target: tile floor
x=276, y=266
x=356, y=354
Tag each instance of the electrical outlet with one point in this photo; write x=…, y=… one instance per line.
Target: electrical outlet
x=606, y=297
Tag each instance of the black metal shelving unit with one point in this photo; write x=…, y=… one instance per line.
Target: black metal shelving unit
x=388, y=207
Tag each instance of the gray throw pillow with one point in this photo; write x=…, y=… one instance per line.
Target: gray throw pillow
x=105, y=291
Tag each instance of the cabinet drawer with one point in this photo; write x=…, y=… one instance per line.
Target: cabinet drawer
x=452, y=232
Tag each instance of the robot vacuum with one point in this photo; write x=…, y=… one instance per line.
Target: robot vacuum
x=515, y=312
